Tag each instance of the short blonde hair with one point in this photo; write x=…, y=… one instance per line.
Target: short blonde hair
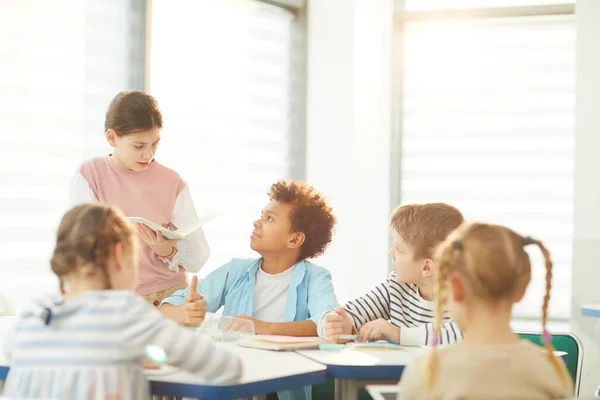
x=494, y=264
x=424, y=226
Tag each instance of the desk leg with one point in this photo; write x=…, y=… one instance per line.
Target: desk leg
x=338, y=391
x=350, y=388
x=346, y=389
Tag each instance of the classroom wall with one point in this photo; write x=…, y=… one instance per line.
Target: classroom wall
x=348, y=133
x=586, y=238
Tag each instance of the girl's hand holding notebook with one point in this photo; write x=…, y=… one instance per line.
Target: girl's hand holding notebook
x=180, y=233
x=161, y=246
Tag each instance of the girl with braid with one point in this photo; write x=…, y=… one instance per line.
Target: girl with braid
x=483, y=270
x=89, y=342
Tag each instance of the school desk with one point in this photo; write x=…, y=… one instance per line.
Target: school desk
x=353, y=369
x=264, y=372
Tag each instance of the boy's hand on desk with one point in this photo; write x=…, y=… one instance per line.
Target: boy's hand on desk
x=161, y=246
x=380, y=329
x=337, y=323
x=194, y=305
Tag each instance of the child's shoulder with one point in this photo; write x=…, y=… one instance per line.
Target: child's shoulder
x=531, y=352
x=241, y=265
x=166, y=170
x=93, y=164
x=165, y=173
x=524, y=350
x=120, y=298
x=316, y=272
x=314, y=268
x=393, y=282
x=36, y=305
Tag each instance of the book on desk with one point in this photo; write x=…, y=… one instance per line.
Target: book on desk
x=281, y=343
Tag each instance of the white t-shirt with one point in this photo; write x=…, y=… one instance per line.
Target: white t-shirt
x=270, y=295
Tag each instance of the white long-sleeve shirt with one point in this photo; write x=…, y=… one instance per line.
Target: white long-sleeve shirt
x=403, y=306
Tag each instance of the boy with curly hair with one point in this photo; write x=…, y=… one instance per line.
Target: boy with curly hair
x=281, y=292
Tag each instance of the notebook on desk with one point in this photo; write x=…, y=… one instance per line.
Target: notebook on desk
x=280, y=343
x=374, y=346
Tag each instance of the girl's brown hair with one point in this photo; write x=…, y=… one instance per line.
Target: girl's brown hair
x=132, y=112
x=85, y=238
x=495, y=266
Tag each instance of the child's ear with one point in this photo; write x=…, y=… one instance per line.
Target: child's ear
x=457, y=290
x=111, y=137
x=428, y=268
x=118, y=256
x=520, y=294
x=296, y=240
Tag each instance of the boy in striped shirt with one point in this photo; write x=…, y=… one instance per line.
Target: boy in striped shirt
x=400, y=309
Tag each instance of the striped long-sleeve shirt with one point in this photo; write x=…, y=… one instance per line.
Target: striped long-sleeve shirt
x=92, y=346
x=403, y=306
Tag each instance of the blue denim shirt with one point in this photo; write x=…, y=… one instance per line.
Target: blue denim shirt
x=232, y=286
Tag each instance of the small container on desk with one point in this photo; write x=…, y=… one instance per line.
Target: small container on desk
x=591, y=310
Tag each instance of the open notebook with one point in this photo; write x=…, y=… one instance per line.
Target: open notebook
x=180, y=233
x=280, y=343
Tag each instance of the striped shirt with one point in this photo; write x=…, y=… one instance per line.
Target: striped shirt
x=402, y=305
x=92, y=346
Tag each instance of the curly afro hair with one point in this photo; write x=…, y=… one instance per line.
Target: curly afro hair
x=311, y=215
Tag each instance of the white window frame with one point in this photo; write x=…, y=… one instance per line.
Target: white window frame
x=403, y=17
x=297, y=128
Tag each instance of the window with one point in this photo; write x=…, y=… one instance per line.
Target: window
x=430, y=5
x=61, y=64
x=221, y=71
x=488, y=126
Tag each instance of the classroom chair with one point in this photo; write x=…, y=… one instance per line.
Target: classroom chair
x=568, y=343
x=326, y=391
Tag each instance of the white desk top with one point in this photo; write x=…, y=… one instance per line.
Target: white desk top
x=264, y=371
x=364, y=358
x=365, y=364
x=258, y=365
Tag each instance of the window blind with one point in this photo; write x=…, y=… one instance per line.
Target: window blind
x=430, y=5
x=115, y=55
x=221, y=71
x=51, y=68
x=488, y=126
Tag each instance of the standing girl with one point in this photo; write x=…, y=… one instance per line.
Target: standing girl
x=133, y=180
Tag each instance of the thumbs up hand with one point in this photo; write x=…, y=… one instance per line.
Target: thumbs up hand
x=194, y=305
